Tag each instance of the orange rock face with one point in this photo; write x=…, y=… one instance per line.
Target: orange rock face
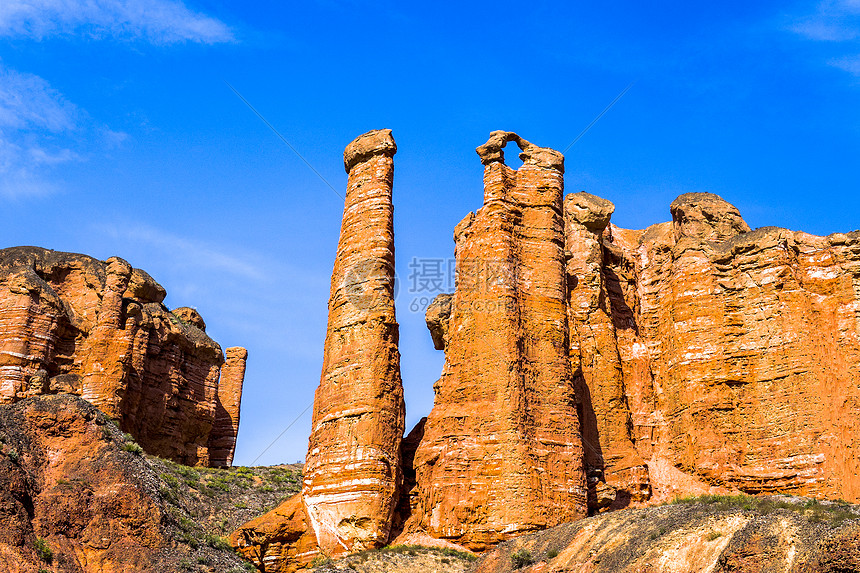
x=70, y=323
x=279, y=541
x=610, y=454
x=501, y=452
x=64, y=479
x=352, y=471
x=222, y=439
x=738, y=354
x=587, y=367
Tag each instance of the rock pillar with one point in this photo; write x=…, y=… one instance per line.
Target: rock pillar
x=502, y=452
x=352, y=471
x=222, y=440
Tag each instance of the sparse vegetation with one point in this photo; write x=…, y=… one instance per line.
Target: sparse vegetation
x=217, y=542
x=320, y=561
x=413, y=549
x=552, y=554
x=713, y=535
x=44, y=551
x=521, y=558
x=832, y=513
x=205, y=504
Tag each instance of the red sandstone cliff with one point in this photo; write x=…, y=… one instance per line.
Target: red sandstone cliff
x=739, y=351
x=70, y=323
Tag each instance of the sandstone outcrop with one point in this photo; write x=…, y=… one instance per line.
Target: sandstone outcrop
x=352, y=471
x=222, y=438
x=70, y=323
x=595, y=325
x=280, y=540
x=728, y=358
x=587, y=368
x=501, y=452
x=74, y=499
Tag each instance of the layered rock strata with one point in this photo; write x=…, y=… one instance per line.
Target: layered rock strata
x=738, y=353
x=352, y=472
x=595, y=326
x=501, y=452
x=695, y=356
x=70, y=323
x=222, y=439
x=279, y=541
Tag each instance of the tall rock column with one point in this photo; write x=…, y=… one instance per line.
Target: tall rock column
x=502, y=453
x=222, y=440
x=352, y=471
x=108, y=350
x=611, y=457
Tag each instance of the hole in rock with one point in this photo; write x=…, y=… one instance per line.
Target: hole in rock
x=512, y=155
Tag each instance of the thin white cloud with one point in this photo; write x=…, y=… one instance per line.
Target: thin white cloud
x=30, y=109
x=189, y=252
x=835, y=22
x=156, y=21
x=850, y=64
x=28, y=101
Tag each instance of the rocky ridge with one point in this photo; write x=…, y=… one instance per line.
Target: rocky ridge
x=717, y=534
x=98, y=329
x=77, y=496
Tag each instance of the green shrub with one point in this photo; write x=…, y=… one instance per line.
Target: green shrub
x=188, y=474
x=133, y=448
x=13, y=456
x=552, y=554
x=713, y=535
x=170, y=480
x=219, y=543
x=522, y=558
x=44, y=552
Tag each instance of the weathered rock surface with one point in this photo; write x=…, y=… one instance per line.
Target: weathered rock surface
x=222, y=438
x=279, y=541
x=728, y=358
x=501, y=452
x=587, y=368
x=692, y=538
x=66, y=479
x=617, y=473
x=352, y=472
x=70, y=323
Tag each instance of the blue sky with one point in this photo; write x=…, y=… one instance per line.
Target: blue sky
x=119, y=136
